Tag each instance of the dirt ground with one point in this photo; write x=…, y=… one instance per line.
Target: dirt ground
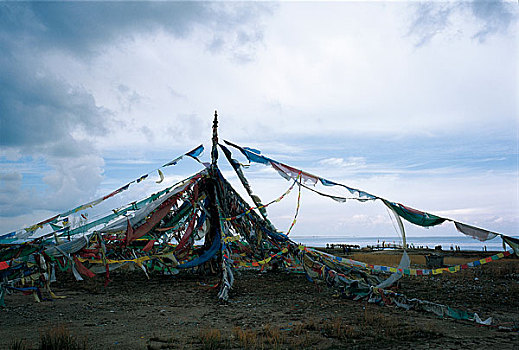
x=266, y=310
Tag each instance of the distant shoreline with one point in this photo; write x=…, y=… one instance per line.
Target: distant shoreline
x=461, y=242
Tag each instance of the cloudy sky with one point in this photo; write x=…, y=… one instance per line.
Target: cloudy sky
x=414, y=101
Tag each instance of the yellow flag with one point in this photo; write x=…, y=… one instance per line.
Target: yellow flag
x=161, y=176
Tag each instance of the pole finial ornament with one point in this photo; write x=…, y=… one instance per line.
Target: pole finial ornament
x=214, y=150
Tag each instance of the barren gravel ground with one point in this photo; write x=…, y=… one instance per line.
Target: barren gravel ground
x=266, y=310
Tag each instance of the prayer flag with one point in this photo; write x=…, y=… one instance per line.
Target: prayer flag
x=474, y=232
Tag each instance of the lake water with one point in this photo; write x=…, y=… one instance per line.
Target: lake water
x=464, y=242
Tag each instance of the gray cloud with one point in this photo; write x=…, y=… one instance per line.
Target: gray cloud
x=11, y=199
x=429, y=20
x=43, y=115
x=84, y=28
x=128, y=97
x=432, y=18
x=72, y=182
x=39, y=110
x=188, y=127
x=10, y=181
x=495, y=16
x=244, y=38
x=68, y=183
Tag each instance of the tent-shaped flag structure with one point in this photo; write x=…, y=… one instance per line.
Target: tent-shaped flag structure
x=158, y=233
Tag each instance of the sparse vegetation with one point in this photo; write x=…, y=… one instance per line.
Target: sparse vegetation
x=211, y=339
x=59, y=338
x=18, y=344
x=288, y=313
x=247, y=338
x=273, y=336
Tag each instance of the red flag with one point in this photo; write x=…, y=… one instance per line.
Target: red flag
x=129, y=232
x=82, y=269
x=149, y=245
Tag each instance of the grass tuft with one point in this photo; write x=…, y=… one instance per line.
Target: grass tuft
x=19, y=344
x=273, y=336
x=247, y=338
x=211, y=339
x=59, y=338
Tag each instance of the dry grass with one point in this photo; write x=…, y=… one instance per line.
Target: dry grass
x=273, y=336
x=332, y=333
x=310, y=324
x=331, y=328
x=387, y=259
x=211, y=339
x=386, y=327
x=394, y=259
x=19, y=344
x=306, y=341
x=59, y=338
x=336, y=328
x=247, y=338
x=54, y=338
x=499, y=268
x=269, y=337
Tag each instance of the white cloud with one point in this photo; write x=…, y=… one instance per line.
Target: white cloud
x=339, y=89
x=354, y=162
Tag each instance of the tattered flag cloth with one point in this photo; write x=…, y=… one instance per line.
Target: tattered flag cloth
x=410, y=271
x=246, y=212
x=31, y=229
x=251, y=154
x=208, y=254
x=289, y=172
x=187, y=235
x=48, y=220
x=387, y=297
x=414, y=216
x=512, y=242
x=293, y=173
x=149, y=245
x=335, y=198
x=474, y=232
x=363, y=196
x=161, y=175
x=254, y=156
x=194, y=153
x=161, y=233
x=117, y=191
x=298, y=179
x=353, y=285
x=173, y=162
x=258, y=263
x=8, y=235
x=143, y=177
